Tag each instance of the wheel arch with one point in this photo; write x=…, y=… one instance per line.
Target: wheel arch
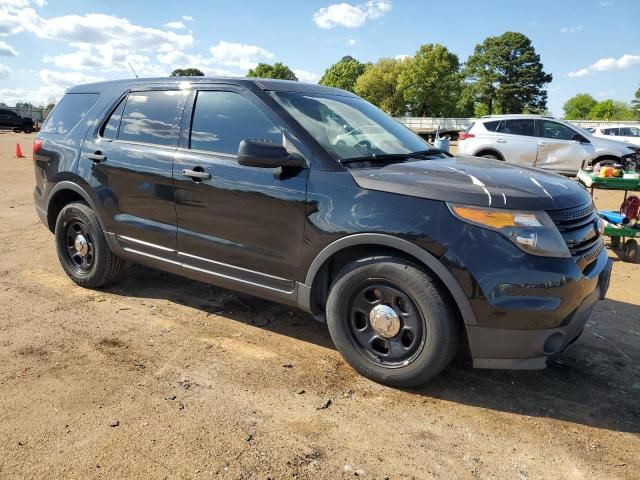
x=371, y=243
x=492, y=151
x=605, y=156
x=62, y=194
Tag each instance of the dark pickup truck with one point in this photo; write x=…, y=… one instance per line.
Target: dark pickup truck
x=10, y=120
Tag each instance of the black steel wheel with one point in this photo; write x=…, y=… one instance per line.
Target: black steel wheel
x=392, y=321
x=615, y=242
x=80, y=251
x=82, y=247
x=385, y=324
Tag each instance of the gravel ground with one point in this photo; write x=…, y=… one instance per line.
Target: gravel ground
x=162, y=377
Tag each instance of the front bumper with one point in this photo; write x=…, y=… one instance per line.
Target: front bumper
x=529, y=349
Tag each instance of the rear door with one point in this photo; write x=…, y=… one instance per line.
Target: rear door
x=556, y=149
x=238, y=223
x=515, y=140
x=128, y=162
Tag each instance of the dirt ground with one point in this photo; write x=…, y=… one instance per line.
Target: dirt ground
x=205, y=383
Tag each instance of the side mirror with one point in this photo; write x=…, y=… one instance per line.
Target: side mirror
x=265, y=154
x=579, y=138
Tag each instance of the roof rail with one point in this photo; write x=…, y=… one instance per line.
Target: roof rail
x=503, y=115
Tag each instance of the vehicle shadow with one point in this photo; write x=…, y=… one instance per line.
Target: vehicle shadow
x=595, y=383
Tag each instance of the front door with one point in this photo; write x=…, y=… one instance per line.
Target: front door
x=556, y=149
x=235, y=222
x=516, y=141
x=128, y=162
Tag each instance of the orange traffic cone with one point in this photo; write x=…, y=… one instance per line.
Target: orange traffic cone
x=19, y=151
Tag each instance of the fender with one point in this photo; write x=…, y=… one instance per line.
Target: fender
x=70, y=185
x=405, y=246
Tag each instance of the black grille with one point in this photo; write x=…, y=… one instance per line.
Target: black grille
x=578, y=227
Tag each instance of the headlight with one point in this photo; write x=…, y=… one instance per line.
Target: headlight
x=532, y=232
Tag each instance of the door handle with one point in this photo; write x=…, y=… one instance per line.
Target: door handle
x=199, y=174
x=501, y=141
x=96, y=157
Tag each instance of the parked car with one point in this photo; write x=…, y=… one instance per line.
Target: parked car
x=538, y=141
x=406, y=252
x=623, y=133
x=10, y=120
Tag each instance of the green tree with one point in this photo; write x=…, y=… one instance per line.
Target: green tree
x=507, y=76
x=187, y=72
x=277, y=70
x=379, y=85
x=431, y=82
x=343, y=74
x=611, y=110
x=635, y=104
x=579, y=106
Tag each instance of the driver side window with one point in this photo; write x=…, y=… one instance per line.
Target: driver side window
x=556, y=131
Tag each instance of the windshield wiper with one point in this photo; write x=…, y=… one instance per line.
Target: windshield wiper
x=432, y=152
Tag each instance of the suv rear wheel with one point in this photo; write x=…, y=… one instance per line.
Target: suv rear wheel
x=391, y=321
x=82, y=247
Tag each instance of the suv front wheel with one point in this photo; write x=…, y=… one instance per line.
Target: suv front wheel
x=82, y=247
x=391, y=321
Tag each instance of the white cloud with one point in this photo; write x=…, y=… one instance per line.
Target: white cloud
x=402, y=56
x=7, y=50
x=67, y=79
x=177, y=25
x=350, y=16
x=352, y=42
x=606, y=4
x=604, y=64
x=187, y=18
x=575, y=29
x=239, y=54
x=307, y=77
x=4, y=71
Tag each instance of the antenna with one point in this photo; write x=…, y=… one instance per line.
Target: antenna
x=134, y=72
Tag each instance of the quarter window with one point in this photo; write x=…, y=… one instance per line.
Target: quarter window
x=150, y=117
x=556, y=131
x=492, y=126
x=69, y=111
x=518, y=127
x=221, y=120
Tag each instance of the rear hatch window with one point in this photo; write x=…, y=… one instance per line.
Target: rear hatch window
x=69, y=111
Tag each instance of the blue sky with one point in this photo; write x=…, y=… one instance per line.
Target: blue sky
x=47, y=45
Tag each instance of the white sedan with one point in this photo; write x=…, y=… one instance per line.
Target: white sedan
x=624, y=133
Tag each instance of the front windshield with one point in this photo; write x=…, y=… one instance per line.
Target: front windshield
x=350, y=127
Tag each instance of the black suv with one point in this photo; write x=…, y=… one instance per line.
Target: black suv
x=312, y=197
x=10, y=120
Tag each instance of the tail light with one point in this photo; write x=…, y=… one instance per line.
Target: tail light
x=37, y=144
x=465, y=135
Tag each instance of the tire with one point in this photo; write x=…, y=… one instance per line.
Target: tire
x=631, y=251
x=428, y=333
x=88, y=261
x=615, y=242
x=17, y=130
x=27, y=129
x=490, y=156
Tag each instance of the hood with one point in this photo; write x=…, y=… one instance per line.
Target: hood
x=620, y=146
x=475, y=181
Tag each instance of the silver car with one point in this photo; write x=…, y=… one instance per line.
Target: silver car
x=538, y=141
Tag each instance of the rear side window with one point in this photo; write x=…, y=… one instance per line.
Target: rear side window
x=150, y=117
x=610, y=131
x=519, y=127
x=69, y=111
x=221, y=120
x=110, y=129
